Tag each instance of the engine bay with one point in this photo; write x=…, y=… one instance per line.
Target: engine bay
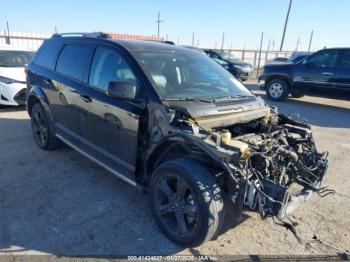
x=274, y=155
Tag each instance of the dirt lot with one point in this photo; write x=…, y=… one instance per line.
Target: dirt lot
x=61, y=203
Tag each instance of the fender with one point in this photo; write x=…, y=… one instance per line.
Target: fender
x=280, y=75
x=36, y=94
x=179, y=138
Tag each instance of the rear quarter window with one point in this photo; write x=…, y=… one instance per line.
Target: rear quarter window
x=47, y=55
x=73, y=61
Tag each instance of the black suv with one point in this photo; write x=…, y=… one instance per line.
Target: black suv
x=240, y=69
x=174, y=123
x=324, y=72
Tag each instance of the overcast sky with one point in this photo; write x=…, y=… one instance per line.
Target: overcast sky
x=241, y=20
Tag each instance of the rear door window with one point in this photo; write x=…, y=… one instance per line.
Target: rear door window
x=48, y=55
x=345, y=62
x=324, y=59
x=73, y=61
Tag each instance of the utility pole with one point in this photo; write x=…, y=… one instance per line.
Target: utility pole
x=273, y=45
x=8, y=41
x=285, y=24
x=268, y=47
x=312, y=34
x=193, y=39
x=222, y=42
x=296, y=48
x=261, y=42
x=158, y=21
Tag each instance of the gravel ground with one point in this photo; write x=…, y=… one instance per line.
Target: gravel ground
x=61, y=203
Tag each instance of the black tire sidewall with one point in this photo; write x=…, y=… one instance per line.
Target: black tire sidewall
x=285, y=91
x=51, y=142
x=38, y=108
x=199, y=193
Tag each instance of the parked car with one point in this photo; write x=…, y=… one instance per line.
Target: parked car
x=241, y=70
x=222, y=63
x=324, y=72
x=219, y=61
x=12, y=75
x=276, y=60
x=174, y=123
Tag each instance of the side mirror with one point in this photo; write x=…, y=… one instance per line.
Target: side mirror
x=121, y=89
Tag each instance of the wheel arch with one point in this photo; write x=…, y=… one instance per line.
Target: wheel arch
x=180, y=146
x=36, y=95
x=278, y=76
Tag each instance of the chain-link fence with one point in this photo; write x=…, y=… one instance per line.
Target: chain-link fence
x=33, y=40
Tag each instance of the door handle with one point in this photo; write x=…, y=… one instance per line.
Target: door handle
x=327, y=73
x=85, y=98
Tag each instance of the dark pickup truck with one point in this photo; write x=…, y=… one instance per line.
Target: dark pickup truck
x=324, y=72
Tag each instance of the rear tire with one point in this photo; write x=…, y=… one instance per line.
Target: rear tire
x=277, y=90
x=186, y=202
x=42, y=134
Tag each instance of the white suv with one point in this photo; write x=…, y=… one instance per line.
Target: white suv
x=12, y=75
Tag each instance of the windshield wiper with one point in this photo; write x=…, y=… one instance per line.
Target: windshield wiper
x=233, y=97
x=189, y=99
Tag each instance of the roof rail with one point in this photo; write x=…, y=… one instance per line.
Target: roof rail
x=93, y=35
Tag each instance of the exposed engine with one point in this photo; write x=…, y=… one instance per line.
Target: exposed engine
x=282, y=165
x=275, y=156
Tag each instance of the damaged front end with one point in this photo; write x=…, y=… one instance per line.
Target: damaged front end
x=273, y=156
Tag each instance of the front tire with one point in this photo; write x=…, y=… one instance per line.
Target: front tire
x=277, y=90
x=42, y=134
x=186, y=202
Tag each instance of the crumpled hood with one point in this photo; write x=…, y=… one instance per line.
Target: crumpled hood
x=16, y=73
x=210, y=115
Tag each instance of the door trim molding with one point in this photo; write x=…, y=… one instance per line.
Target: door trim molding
x=124, y=178
x=95, y=147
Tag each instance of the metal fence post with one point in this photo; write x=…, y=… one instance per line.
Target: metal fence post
x=254, y=64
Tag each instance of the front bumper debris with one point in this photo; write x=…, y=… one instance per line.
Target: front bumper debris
x=274, y=200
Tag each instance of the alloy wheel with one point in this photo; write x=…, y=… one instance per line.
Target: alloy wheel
x=176, y=206
x=40, y=128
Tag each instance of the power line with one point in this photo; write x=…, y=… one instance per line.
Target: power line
x=285, y=24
